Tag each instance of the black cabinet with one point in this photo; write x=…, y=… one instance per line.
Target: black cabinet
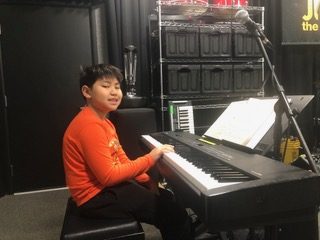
x=180, y=42
x=215, y=41
x=217, y=78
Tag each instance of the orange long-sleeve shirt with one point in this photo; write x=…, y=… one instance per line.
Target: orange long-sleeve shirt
x=94, y=159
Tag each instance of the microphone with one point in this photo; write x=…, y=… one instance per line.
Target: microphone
x=242, y=16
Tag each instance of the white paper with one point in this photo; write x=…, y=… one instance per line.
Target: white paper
x=244, y=122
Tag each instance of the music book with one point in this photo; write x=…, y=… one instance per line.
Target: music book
x=244, y=122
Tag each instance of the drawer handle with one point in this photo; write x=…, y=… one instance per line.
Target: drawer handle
x=247, y=69
x=184, y=70
x=217, y=70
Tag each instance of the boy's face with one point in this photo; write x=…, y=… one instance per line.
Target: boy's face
x=104, y=96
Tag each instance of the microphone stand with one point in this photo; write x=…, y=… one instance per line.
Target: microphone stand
x=285, y=104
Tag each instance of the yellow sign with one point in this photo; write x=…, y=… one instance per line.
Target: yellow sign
x=311, y=18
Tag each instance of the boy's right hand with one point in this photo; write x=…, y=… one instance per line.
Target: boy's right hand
x=156, y=153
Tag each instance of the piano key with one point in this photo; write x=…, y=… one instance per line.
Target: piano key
x=197, y=177
x=185, y=120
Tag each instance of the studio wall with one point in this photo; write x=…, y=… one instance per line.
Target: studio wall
x=297, y=67
x=43, y=47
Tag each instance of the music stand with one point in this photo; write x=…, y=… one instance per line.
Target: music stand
x=297, y=103
x=283, y=100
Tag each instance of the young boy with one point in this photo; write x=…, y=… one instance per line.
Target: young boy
x=103, y=182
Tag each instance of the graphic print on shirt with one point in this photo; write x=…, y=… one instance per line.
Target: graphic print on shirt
x=115, y=145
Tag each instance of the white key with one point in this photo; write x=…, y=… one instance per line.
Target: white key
x=199, y=179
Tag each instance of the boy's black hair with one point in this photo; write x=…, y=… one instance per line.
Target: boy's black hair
x=89, y=75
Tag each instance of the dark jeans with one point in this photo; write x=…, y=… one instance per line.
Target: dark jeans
x=129, y=199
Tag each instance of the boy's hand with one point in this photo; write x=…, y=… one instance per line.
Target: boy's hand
x=156, y=153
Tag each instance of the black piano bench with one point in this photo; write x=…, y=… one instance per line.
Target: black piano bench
x=76, y=227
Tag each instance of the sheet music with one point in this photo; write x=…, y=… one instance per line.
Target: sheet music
x=244, y=122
